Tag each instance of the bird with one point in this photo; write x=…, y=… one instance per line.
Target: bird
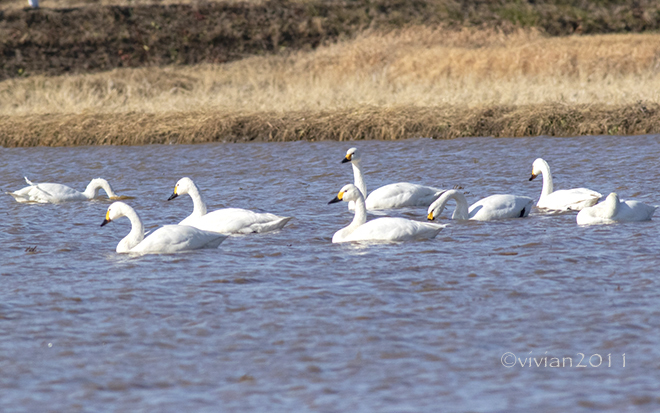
x=398, y=195
x=165, y=240
x=612, y=210
x=57, y=193
x=491, y=208
x=562, y=200
x=380, y=229
x=225, y=220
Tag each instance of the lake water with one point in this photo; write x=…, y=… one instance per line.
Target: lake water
x=288, y=321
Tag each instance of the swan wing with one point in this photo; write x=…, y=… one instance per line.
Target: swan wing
x=47, y=193
x=394, y=229
x=401, y=195
x=501, y=207
x=630, y=211
x=237, y=220
x=569, y=199
x=175, y=238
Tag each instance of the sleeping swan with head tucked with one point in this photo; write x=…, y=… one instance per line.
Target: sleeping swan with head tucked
x=165, y=240
x=380, y=229
x=488, y=209
x=225, y=220
x=613, y=210
x=46, y=193
x=399, y=195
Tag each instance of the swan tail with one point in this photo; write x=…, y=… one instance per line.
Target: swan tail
x=267, y=226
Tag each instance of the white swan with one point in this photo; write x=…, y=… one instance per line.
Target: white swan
x=562, y=200
x=165, y=240
x=225, y=220
x=488, y=209
x=613, y=210
x=55, y=193
x=399, y=195
x=380, y=229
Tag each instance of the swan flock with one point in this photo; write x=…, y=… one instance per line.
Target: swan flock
x=203, y=229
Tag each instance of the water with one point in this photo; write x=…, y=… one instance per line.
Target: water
x=287, y=321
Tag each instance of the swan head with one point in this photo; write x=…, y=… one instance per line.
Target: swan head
x=537, y=168
x=115, y=210
x=182, y=187
x=347, y=193
x=352, y=155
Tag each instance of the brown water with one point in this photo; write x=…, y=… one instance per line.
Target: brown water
x=288, y=321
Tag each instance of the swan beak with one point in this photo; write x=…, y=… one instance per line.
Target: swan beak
x=174, y=195
x=347, y=158
x=107, y=218
x=532, y=177
x=337, y=198
x=430, y=217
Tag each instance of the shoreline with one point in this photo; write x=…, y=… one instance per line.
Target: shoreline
x=367, y=123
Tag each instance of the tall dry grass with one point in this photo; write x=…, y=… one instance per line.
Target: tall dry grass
x=469, y=73
x=417, y=67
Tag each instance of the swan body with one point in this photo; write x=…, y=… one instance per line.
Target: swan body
x=399, y=195
x=562, y=200
x=165, y=240
x=613, y=210
x=45, y=193
x=380, y=229
x=488, y=209
x=225, y=220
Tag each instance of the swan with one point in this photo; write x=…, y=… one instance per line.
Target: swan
x=562, y=200
x=380, y=229
x=399, y=195
x=225, y=220
x=613, y=210
x=165, y=240
x=488, y=209
x=55, y=193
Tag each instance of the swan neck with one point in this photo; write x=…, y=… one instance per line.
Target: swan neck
x=92, y=190
x=461, y=211
x=199, y=206
x=137, y=232
x=548, y=187
x=360, y=216
x=359, y=178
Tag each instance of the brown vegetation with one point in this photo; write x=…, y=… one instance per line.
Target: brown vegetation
x=100, y=38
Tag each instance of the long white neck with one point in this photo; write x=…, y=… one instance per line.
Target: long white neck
x=92, y=190
x=137, y=231
x=611, y=204
x=547, y=179
x=199, y=206
x=461, y=211
x=359, y=178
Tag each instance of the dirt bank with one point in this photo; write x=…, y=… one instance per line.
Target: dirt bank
x=100, y=38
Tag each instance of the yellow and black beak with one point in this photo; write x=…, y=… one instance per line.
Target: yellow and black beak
x=430, y=216
x=107, y=218
x=174, y=195
x=533, y=176
x=347, y=158
x=338, y=198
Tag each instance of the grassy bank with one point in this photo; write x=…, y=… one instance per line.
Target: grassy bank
x=350, y=124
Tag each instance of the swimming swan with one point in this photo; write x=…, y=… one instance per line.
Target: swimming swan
x=399, y=195
x=165, y=240
x=562, y=200
x=488, y=209
x=613, y=210
x=380, y=229
x=55, y=193
x=225, y=220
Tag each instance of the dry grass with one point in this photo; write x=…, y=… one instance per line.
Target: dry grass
x=60, y=4
x=434, y=82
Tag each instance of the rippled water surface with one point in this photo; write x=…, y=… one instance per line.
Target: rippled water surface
x=288, y=321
